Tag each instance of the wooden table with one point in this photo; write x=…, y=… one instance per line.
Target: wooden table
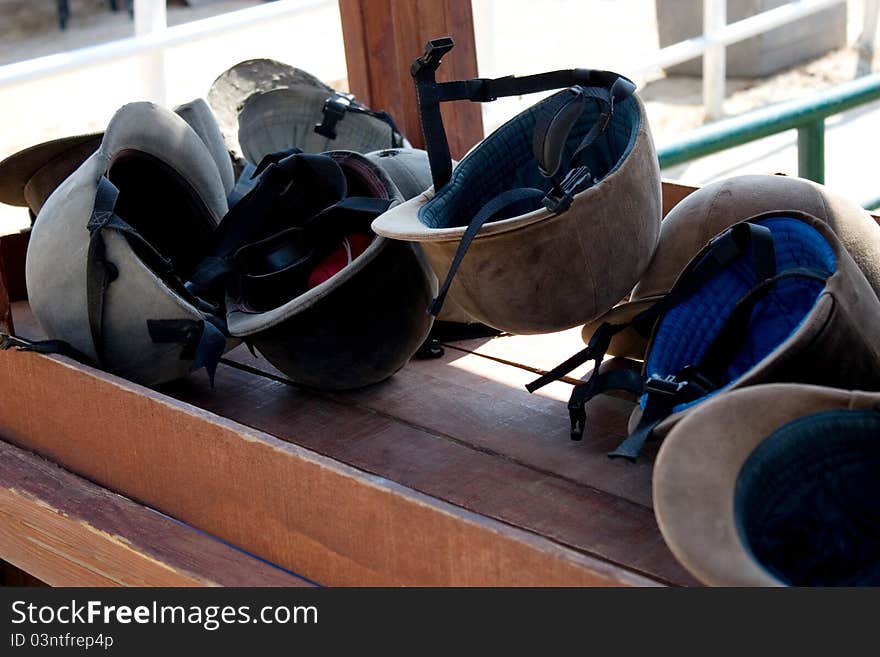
x=450, y=473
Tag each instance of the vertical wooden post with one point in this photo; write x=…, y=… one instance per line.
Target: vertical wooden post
x=13, y=250
x=383, y=37
x=6, y=325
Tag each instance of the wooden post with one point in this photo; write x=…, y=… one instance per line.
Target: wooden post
x=13, y=249
x=6, y=325
x=383, y=37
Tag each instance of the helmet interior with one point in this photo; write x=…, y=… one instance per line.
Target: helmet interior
x=504, y=161
x=163, y=207
x=807, y=500
x=685, y=334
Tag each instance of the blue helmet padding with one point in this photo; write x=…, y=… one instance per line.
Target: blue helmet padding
x=686, y=332
x=504, y=161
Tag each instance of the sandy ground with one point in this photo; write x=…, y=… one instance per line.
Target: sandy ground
x=522, y=36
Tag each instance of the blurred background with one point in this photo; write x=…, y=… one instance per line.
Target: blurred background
x=806, y=56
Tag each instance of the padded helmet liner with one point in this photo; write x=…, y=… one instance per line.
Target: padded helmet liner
x=686, y=332
x=505, y=161
x=806, y=500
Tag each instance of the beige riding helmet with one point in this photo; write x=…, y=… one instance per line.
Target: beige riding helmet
x=265, y=106
x=709, y=210
x=235, y=85
x=774, y=485
x=201, y=119
x=112, y=244
x=774, y=299
x=552, y=218
x=28, y=177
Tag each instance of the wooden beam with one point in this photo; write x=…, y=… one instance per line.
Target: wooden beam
x=67, y=531
x=310, y=514
x=13, y=249
x=459, y=450
x=383, y=37
x=674, y=193
x=6, y=324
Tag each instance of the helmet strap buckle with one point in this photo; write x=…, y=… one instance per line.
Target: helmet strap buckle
x=559, y=199
x=667, y=386
x=334, y=110
x=434, y=52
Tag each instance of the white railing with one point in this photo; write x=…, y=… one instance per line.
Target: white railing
x=152, y=37
x=717, y=34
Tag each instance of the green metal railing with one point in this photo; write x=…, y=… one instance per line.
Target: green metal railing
x=806, y=115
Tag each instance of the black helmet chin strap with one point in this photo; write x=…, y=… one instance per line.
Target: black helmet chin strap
x=553, y=126
x=335, y=109
x=693, y=381
x=551, y=129
x=202, y=340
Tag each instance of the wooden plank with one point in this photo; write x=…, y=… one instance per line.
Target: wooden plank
x=466, y=437
x=383, y=37
x=70, y=532
x=13, y=248
x=428, y=432
x=483, y=404
x=673, y=193
x=534, y=353
x=325, y=520
x=6, y=321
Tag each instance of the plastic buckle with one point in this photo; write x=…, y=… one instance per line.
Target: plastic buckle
x=578, y=417
x=434, y=52
x=666, y=385
x=334, y=109
x=573, y=183
x=484, y=93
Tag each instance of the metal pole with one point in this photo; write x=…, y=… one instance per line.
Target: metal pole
x=150, y=16
x=714, y=59
x=770, y=120
x=811, y=151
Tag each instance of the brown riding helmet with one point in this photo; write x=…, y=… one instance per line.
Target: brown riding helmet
x=774, y=485
x=709, y=210
x=773, y=299
x=552, y=218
